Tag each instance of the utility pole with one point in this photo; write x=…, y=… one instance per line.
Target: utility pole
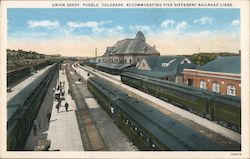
x=95, y=52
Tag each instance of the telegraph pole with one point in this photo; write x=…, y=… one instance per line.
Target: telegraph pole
x=95, y=52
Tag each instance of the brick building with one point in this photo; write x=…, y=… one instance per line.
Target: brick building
x=221, y=75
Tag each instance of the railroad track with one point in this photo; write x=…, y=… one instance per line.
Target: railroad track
x=90, y=135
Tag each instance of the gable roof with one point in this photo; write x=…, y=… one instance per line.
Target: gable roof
x=162, y=66
x=168, y=63
x=228, y=64
x=132, y=46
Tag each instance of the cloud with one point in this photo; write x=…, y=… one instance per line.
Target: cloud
x=168, y=23
x=181, y=26
x=142, y=28
x=44, y=23
x=204, y=20
x=96, y=27
x=235, y=22
x=116, y=31
x=174, y=27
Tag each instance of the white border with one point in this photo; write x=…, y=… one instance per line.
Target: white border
x=242, y=4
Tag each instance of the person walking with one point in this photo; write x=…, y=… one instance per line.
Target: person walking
x=48, y=116
x=66, y=106
x=58, y=107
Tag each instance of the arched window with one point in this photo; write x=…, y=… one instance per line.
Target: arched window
x=125, y=60
x=203, y=84
x=130, y=60
x=216, y=87
x=231, y=90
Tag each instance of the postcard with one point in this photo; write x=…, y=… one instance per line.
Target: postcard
x=124, y=79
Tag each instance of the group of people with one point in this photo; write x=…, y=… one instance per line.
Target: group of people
x=58, y=105
x=60, y=96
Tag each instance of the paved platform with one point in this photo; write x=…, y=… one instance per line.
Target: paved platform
x=183, y=113
x=63, y=128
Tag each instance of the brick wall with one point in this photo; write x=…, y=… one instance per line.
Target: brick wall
x=223, y=79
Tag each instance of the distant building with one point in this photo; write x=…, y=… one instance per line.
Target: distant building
x=125, y=53
x=221, y=75
x=163, y=67
x=130, y=51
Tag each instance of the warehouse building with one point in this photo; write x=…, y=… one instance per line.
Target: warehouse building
x=221, y=75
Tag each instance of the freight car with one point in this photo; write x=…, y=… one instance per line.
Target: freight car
x=222, y=108
x=148, y=128
x=17, y=75
x=22, y=108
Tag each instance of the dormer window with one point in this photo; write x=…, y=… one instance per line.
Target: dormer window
x=185, y=61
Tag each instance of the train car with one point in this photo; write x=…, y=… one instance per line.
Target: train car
x=191, y=99
x=104, y=96
x=42, y=65
x=17, y=75
x=148, y=128
x=204, y=103
x=227, y=110
x=23, y=107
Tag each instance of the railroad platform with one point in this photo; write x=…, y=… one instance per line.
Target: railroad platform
x=63, y=128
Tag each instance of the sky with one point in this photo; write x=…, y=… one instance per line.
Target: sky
x=77, y=32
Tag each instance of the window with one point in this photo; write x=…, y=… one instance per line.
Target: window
x=138, y=59
x=190, y=82
x=125, y=60
x=231, y=90
x=203, y=84
x=130, y=60
x=216, y=87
